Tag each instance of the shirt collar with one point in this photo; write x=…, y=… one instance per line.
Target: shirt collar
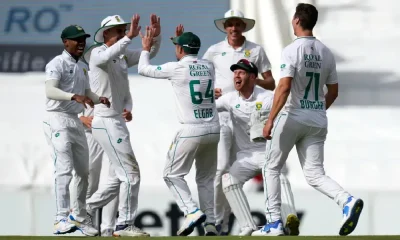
x=188, y=58
x=237, y=49
x=305, y=37
x=251, y=96
x=68, y=56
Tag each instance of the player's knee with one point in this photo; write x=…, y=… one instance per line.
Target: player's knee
x=273, y=168
x=230, y=181
x=313, y=179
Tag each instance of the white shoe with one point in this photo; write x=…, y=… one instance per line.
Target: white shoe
x=191, y=221
x=86, y=226
x=63, y=226
x=292, y=225
x=246, y=231
x=107, y=232
x=210, y=230
x=270, y=229
x=351, y=214
x=129, y=231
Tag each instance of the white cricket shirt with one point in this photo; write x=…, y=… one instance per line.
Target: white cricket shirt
x=223, y=56
x=73, y=78
x=240, y=110
x=192, y=81
x=109, y=74
x=311, y=65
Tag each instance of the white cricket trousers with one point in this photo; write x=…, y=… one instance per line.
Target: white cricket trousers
x=309, y=142
x=113, y=136
x=96, y=154
x=69, y=150
x=193, y=142
x=222, y=209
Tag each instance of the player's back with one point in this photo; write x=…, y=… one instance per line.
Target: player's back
x=193, y=85
x=312, y=65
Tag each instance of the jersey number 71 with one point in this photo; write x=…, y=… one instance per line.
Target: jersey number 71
x=197, y=96
x=315, y=76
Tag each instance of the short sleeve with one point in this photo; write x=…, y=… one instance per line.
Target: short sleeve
x=288, y=67
x=53, y=70
x=207, y=55
x=223, y=103
x=332, y=76
x=263, y=63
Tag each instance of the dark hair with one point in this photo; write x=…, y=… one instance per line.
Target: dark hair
x=307, y=15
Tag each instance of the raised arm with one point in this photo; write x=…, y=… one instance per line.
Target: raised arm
x=162, y=71
x=134, y=55
x=100, y=57
x=147, y=70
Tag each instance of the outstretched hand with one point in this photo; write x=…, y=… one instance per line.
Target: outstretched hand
x=178, y=31
x=155, y=23
x=134, y=28
x=147, y=38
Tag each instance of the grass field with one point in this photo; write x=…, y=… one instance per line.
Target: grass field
x=210, y=238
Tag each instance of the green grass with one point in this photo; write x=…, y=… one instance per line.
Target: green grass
x=209, y=238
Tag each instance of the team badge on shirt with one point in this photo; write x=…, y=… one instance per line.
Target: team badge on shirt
x=258, y=106
x=247, y=53
x=85, y=71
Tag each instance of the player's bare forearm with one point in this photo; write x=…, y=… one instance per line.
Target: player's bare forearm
x=330, y=99
x=332, y=94
x=280, y=97
x=268, y=82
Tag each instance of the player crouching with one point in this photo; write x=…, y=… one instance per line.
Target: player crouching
x=249, y=107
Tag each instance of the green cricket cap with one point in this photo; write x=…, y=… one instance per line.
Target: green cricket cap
x=189, y=41
x=73, y=31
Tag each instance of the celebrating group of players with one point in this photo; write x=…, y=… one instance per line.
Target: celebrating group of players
x=233, y=126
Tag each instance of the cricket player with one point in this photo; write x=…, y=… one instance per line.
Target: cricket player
x=109, y=65
x=192, y=80
x=67, y=93
x=249, y=107
x=96, y=154
x=307, y=65
x=223, y=55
